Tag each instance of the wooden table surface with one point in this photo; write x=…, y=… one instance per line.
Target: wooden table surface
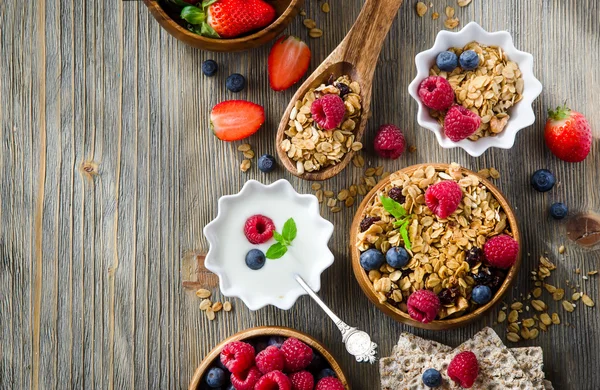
x=109, y=172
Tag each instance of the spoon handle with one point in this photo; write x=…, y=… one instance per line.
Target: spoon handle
x=358, y=343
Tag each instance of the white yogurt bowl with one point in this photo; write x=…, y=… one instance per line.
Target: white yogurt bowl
x=274, y=284
x=521, y=114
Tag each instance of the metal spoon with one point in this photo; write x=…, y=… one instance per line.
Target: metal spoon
x=358, y=343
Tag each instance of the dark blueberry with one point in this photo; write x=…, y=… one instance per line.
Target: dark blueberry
x=276, y=341
x=255, y=259
x=371, y=259
x=396, y=257
x=469, y=60
x=344, y=89
x=448, y=295
x=215, y=377
x=432, y=378
x=367, y=222
x=543, y=180
x=396, y=194
x=260, y=343
x=220, y=364
x=498, y=277
x=317, y=363
x=559, y=210
x=266, y=163
x=446, y=61
x=481, y=294
x=483, y=276
x=325, y=373
x=230, y=387
x=475, y=256
x=236, y=82
x=209, y=68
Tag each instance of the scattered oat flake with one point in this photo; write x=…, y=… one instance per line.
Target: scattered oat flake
x=513, y=337
x=451, y=23
x=203, y=293
x=501, y=316
x=561, y=249
x=587, y=300
x=302, y=13
x=205, y=304
x=449, y=12
x=245, y=165
x=217, y=306
x=594, y=272
x=568, y=306
x=210, y=314
x=421, y=8
x=435, y=16
x=227, y=306
x=325, y=7
x=315, y=32
x=244, y=147
x=494, y=173
x=412, y=149
x=464, y=3
x=249, y=154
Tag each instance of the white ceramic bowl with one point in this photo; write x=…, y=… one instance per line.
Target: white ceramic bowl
x=521, y=114
x=273, y=284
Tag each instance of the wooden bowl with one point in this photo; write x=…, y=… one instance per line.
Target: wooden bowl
x=397, y=314
x=286, y=10
x=261, y=332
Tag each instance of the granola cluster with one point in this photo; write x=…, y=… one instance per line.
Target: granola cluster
x=439, y=248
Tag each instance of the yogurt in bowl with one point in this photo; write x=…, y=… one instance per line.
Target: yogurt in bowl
x=273, y=284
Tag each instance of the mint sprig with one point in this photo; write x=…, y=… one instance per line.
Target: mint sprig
x=401, y=215
x=284, y=239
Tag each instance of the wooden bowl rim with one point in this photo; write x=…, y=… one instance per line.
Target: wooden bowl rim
x=267, y=331
x=156, y=10
x=367, y=287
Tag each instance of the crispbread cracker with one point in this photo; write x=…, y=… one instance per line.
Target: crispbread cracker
x=409, y=343
x=531, y=360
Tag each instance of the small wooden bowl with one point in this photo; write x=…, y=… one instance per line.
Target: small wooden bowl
x=397, y=314
x=261, y=332
x=286, y=10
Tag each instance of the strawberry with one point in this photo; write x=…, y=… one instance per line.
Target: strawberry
x=288, y=62
x=228, y=18
x=233, y=120
x=568, y=134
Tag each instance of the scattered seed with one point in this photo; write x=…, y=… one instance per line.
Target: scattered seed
x=513, y=337
x=227, y=306
x=558, y=294
x=525, y=333
x=587, y=300
x=421, y=8
x=568, y=306
x=244, y=147
x=210, y=314
x=537, y=292
x=545, y=318
x=205, y=304
x=543, y=327
x=513, y=327
x=203, y=293
x=513, y=316
x=309, y=23
x=370, y=172
x=550, y=288
x=529, y=322
x=576, y=296
x=561, y=249
x=217, y=306
x=249, y=154
x=516, y=306
x=533, y=333
x=316, y=186
x=315, y=32
x=325, y=7
x=328, y=194
x=349, y=201
x=501, y=316
x=343, y=194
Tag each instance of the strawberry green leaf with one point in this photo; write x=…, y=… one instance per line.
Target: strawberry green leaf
x=276, y=251
x=193, y=15
x=208, y=3
x=393, y=207
x=289, y=230
x=207, y=31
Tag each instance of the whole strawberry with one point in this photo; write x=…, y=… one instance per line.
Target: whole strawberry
x=463, y=369
x=568, y=134
x=228, y=18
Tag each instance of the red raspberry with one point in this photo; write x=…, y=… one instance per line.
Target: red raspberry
x=328, y=111
x=302, y=380
x=237, y=356
x=463, y=369
x=259, y=229
x=275, y=380
x=460, y=123
x=443, y=198
x=423, y=305
x=297, y=354
x=330, y=383
x=270, y=359
x=436, y=92
x=501, y=251
x=389, y=142
x=245, y=380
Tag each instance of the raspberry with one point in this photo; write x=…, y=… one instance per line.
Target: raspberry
x=328, y=111
x=245, y=380
x=275, y=380
x=302, y=380
x=297, y=354
x=259, y=229
x=270, y=359
x=423, y=305
x=367, y=222
x=460, y=123
x=330, y=383
x=443, y=198
x=237, y=356
x=463, y=369
x=501, y=251
x=389, y=142
x=436, y=92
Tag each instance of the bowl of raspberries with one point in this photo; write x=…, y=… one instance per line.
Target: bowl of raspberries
x=269, y=358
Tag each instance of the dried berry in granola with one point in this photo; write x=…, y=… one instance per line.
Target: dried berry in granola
x=367, y=222
x=396, y=194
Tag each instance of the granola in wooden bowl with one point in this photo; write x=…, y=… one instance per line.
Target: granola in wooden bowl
x=435, y=245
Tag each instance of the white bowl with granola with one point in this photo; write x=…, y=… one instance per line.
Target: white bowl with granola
x=500, y=89
x=435, y=245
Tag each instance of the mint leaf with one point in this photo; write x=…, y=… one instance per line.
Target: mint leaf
x=404, y=234
x=393, y=207
x=276, y=251
x=278, y=237
x=289, y=230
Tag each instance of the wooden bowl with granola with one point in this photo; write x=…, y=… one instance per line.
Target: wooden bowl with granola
x=435, y=246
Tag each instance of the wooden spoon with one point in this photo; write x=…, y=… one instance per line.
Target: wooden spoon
x=357, y=57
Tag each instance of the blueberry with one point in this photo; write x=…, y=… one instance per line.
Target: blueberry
x=396, y=257
x=220, y=364
x=230, y=387
x=371, y=259
x=559, y=210
x=432, y=378
x=469, y=60
x=325, y=373
x=215, y=377
x=236, y=82
x=481, y=294
x=260, y=344
x=255, y=259
x=266, y=163
x=316, y=364
x=446, y=61
x=276, y=341
x=543, y=180
x=209, y=68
